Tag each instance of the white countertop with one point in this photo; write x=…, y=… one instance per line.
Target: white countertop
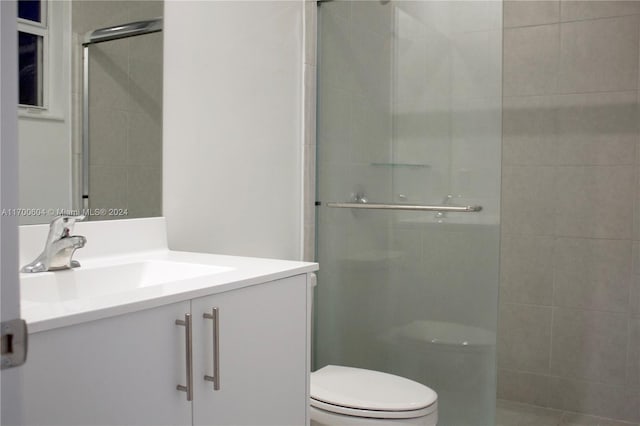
x=52, y=311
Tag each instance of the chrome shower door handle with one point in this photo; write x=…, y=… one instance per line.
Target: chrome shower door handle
x=215, y=316
x=406, y=207
x=188, y=341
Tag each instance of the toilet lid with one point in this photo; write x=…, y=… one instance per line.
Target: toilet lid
x=348, y=388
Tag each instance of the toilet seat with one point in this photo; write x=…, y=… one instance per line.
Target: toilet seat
x=357, y=412
x=364, y=393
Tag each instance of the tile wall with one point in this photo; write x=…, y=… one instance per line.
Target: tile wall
x=125, y=109
x=569, y=327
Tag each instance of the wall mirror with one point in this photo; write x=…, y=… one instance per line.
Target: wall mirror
x=90, y=114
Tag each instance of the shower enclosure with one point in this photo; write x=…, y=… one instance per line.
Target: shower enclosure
x=408, y=163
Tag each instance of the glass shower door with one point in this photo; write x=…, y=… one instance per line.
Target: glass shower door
x=409, y=113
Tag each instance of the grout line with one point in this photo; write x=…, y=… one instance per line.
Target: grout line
x=571, y=21
x=573, y=308
x=563, y=413
x=566, y=166
x=572, y=166
x=553, y=300
x=573, y=379
x=511, y=234
x=558, y=94
x=637, y=55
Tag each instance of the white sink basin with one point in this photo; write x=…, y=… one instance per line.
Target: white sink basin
x=89, y=282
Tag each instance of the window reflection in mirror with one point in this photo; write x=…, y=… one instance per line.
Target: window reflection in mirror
x=32, y=39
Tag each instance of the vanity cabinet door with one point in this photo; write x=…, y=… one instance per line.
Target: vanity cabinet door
x=263, y=355
x=116, y=371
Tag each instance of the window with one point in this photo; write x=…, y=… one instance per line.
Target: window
x=33, y=33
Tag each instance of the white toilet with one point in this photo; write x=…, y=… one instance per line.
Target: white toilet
x=345, y=396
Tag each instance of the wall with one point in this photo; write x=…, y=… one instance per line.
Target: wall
x=125, y=109
x=232, y=154
x=45, y=165
x=10, y=379
x=569, y=329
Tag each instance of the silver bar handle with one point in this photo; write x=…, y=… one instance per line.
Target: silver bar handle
x=375, y=206
x=188, y=340
x=215, y=316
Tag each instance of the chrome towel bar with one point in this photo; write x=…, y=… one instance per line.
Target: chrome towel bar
x=374, y=206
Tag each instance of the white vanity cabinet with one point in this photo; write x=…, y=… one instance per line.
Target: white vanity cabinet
x=262, y=370
x=123, y=370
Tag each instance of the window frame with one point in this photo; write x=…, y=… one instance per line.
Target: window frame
x=40, y=29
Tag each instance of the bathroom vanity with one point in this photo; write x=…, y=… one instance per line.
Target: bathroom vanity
x=155, y=336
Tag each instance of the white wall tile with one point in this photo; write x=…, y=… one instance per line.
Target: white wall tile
x=531, y=60
x=592, y=274
x=518, y=13
x=144, y=142
x=572, y=10
x=529, y=130
x=109, y=78
x=108, y=188
x=599, y=55
x=144, y=191
x=597, y=129
x=528, y=202
x=594, y=398
x=512, y=414
x=108, y=137
x=634, y=297
x=633, y=355
x=587, y=345
x=594, y=202
x=523, y=387
x=524, y=337
x=526, y=269
x=636, y=201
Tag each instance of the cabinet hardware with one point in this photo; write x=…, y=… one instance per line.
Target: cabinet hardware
x=215, y=316
x=188, y=345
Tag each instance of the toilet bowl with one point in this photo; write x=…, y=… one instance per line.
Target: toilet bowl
x=345, y=396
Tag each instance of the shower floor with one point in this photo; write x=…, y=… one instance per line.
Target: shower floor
x=515, y=414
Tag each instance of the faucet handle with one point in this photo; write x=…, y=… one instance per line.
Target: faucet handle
x=61, y=226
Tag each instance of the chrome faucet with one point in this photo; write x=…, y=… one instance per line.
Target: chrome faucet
x=59, y=247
